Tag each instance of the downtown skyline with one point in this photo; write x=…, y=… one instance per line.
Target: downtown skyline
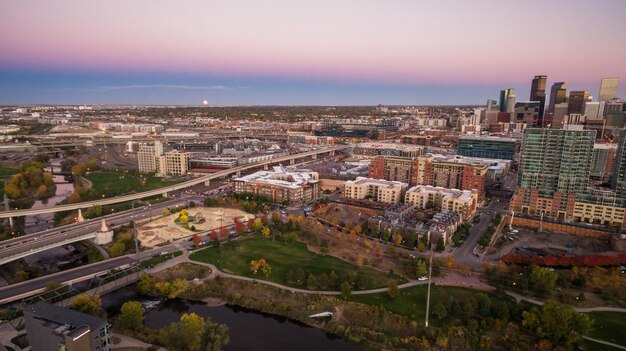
x=351, y=53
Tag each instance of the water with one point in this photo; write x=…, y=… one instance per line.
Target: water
x=248, y=330
x=41, y=222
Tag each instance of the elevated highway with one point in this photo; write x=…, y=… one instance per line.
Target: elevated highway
x=163, y=191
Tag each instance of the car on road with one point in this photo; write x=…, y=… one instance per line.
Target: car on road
x=421, y=279
x=163, y=253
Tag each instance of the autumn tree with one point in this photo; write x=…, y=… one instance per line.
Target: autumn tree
x=420, y=268
x=276, y=218
x=397, y=239
x=213, y=235
x=146, y=284
x=88, y=304
x=196, y=239
x=265, y=232
x=542, y=280
x=223, y=232
x=172, y=289
x=185, y=334
x=131, y=316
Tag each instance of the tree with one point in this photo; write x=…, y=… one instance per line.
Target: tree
x=183, y=218
x=397, y=239
x=131, y=316
x=196, y=239
x=88, y=304
x=484, y=305
x=558, y=323
x=214, y=337
x=449, y=262
x=172, y=289
x=276, y=219
x=542, y=280
x=392, y=289
x=165, y=212
x=440, y=244
x=265, y=232
x=118, y=249
x=185, y=334
x=213, y=235
x=346, y=290
x=258, y=225
x=439, y=311
x=12, y=191
x=420, y=268
x=256, y=265
x=146, y=284
x=223, y=232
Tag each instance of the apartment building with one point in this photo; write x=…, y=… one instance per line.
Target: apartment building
x=281, y=185
x=174, y=163
x=148, y=157
x=379, y=190
x=464, y=202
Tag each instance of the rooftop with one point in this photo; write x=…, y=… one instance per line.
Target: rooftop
x=64, y=320
x=279, y=176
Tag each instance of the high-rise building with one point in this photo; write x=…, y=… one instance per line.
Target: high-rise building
x=528, y=111
x=538, y=93
x=603, y=161
x=558, y=95
x=148, y=157
x=174, y=163
x=487, y=147
x=608, y=89
x=504, y=99
x=554, y=168
x=577, y=101
x=492, y=104
x=591, y=109
x=618, y=178
x=612, y=106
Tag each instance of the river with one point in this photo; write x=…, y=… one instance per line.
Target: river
x=41, y=222
x=248, y=330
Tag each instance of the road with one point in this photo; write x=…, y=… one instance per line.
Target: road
x=16, y=248
x=465, y=253
x=170, y=188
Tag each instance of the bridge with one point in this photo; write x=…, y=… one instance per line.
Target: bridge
x=163, y=191
x=27, y=248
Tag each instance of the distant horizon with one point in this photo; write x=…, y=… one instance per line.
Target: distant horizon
x=280, y=52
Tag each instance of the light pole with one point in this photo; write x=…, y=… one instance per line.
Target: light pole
x=430, y=274
x=541, y=222
x=511, y=222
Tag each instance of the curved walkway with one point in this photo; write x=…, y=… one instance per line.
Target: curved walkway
x=519, y=298
x=605, y=343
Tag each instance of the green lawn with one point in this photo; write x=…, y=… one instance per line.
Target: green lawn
x=159, y=259
x=284, y=257
x=114, y=183
x=7, y=171
x=609, y=326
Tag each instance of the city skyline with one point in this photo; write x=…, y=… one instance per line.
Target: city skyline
x=351, y=53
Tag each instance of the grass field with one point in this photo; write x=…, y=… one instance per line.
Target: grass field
x=609, y=326
x=7, y=171
x=411, y=302
x=283, y=257
x=114, y=183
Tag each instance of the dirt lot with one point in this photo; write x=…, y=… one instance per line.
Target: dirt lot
x=548, y=243
x=338, y=213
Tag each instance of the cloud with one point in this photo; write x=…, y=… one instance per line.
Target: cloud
x=168, y=86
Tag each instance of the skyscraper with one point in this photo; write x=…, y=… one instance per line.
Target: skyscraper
x=504, y=98
x=558, y=94
x=554, y=168
x=608, y=89
x=577, y=101
x=618, y=178
x=538, y=93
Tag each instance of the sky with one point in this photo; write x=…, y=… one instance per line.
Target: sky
x=285, y=52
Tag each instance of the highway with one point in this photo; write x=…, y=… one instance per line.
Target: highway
x=23, y=246
x=164, y=190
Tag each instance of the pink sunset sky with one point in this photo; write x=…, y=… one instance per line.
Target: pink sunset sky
x=440, y=43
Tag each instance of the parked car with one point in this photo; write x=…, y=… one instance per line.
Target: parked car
x=421, y=279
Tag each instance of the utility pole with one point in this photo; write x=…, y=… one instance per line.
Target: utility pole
x=430, y=274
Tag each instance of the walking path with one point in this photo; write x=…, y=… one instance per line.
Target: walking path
x=605, y=343
x=119, y=341
x=519, y=298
